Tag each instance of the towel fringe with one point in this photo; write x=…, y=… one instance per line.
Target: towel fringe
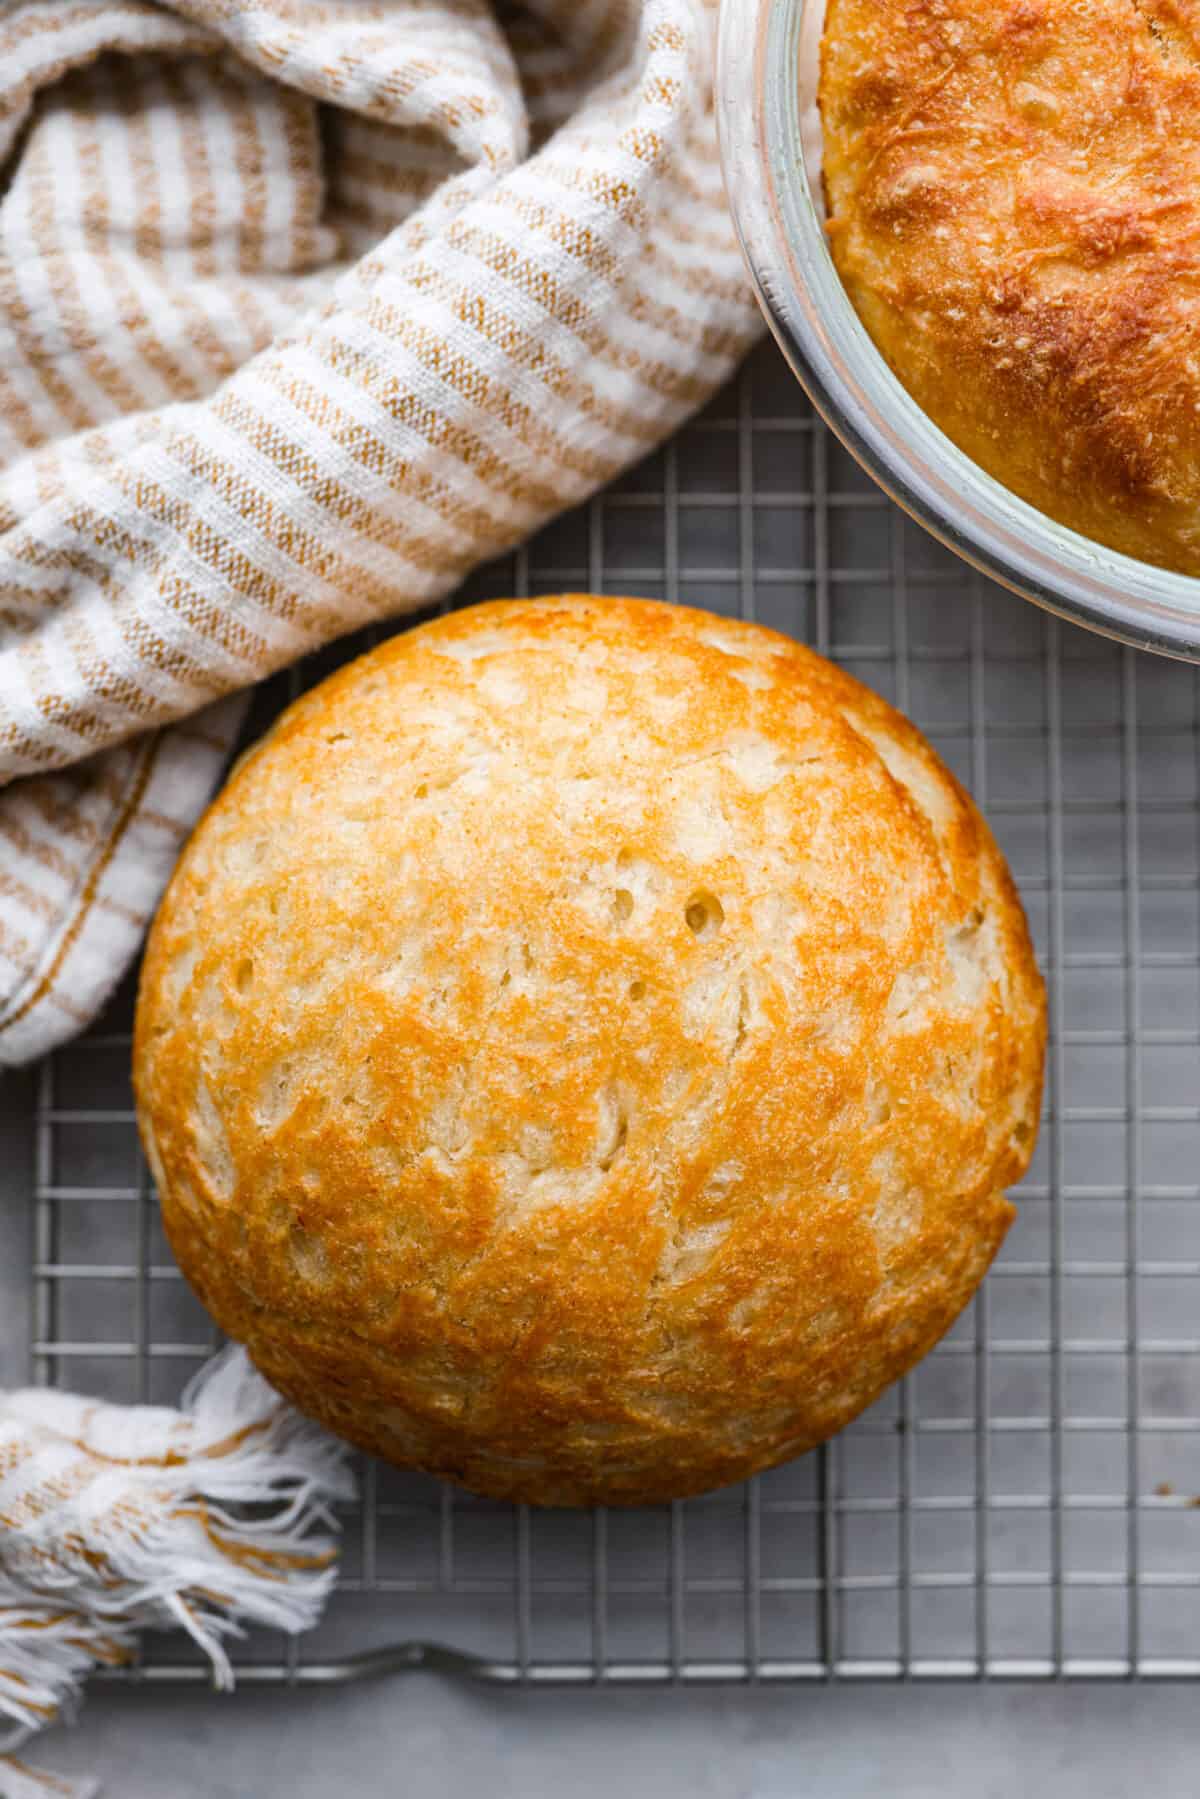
x=120, y=1518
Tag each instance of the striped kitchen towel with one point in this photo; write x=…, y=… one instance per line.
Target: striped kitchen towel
x=306, y=307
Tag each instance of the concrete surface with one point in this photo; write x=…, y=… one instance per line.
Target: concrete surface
x=426, y=1739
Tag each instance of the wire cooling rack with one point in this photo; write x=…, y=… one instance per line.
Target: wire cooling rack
x=1027, y=1503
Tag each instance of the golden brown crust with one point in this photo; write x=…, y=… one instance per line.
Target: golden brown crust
x=583, y=1049
x=1014, y=198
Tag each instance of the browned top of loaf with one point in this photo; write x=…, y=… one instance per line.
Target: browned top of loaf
x=583, y=1049
x=1014, y=191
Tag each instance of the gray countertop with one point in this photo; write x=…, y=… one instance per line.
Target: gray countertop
x=428, y=1739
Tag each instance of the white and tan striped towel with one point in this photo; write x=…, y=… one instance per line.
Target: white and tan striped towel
x=306, y=306
x=118, y=1518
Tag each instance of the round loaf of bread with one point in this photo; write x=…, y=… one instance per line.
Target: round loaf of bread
x=1013, y=191
x=583, y=1050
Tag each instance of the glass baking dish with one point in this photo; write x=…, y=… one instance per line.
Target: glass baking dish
x=767, y=59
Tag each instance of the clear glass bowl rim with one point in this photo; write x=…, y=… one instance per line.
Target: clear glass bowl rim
x=758, y=120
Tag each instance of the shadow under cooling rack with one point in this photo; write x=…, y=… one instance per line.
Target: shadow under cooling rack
x=1027, y=1503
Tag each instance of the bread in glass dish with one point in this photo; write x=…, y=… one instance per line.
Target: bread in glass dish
x=1013, y=199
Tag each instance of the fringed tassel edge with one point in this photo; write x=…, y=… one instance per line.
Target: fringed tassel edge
x=178, y=1557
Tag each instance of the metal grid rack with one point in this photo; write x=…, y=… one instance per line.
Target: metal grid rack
x=1027, y=1503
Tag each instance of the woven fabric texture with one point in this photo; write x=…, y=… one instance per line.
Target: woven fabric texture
x=307, y=307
